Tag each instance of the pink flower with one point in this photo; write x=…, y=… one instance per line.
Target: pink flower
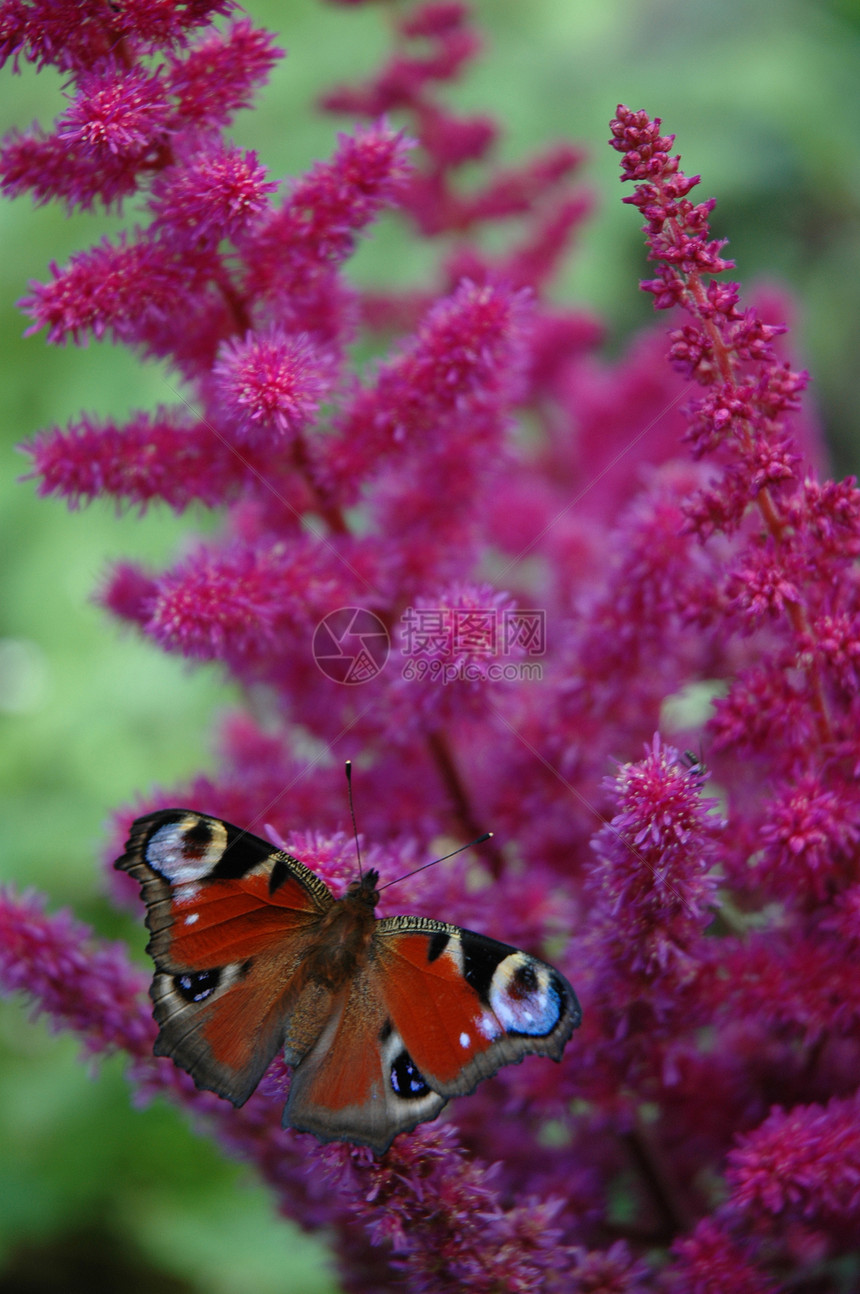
x=216, y=194
x=164, y=456
x=710, y=1261
x=81, y=984
x=809, y=838
x=802, y=1164
x=271, y=384
x=652, y=889
x=116, y=116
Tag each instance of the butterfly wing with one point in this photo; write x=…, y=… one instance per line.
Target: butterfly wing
x=433, y=1010
x=463, y=1004
x=343, y=1089
x=231, y=923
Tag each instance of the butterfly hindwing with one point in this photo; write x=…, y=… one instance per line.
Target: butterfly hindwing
x=231, y=923
x=357, y=1084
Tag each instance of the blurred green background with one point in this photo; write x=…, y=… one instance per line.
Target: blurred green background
x=763, y=97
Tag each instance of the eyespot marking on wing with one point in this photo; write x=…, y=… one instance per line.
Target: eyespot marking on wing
x=187, y=850
x=526, y=996
x=406, y=1079
x=401, y=1073
x=197, y=987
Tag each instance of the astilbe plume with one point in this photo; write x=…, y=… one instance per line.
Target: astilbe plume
x=700, y=1133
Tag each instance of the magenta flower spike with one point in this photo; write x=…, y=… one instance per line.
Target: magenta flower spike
x=606, y=609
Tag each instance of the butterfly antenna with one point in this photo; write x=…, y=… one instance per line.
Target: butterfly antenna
x=488, y=835
x=348, y=771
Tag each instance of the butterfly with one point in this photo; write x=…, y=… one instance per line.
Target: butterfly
x=381, y=1020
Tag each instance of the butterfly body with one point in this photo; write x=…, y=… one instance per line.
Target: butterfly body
x=382, y=1020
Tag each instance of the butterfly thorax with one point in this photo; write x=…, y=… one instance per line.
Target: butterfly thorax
x=364, y=890
x=344, y=934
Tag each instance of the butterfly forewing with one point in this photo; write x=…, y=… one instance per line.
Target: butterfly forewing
x=465, y=1004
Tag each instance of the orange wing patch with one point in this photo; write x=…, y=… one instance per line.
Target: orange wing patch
x=226, y=921
x=441, y=1019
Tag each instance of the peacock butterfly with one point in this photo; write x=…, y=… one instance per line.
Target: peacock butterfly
x=382, y=1020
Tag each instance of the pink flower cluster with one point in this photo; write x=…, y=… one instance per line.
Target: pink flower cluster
x=650, y=539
